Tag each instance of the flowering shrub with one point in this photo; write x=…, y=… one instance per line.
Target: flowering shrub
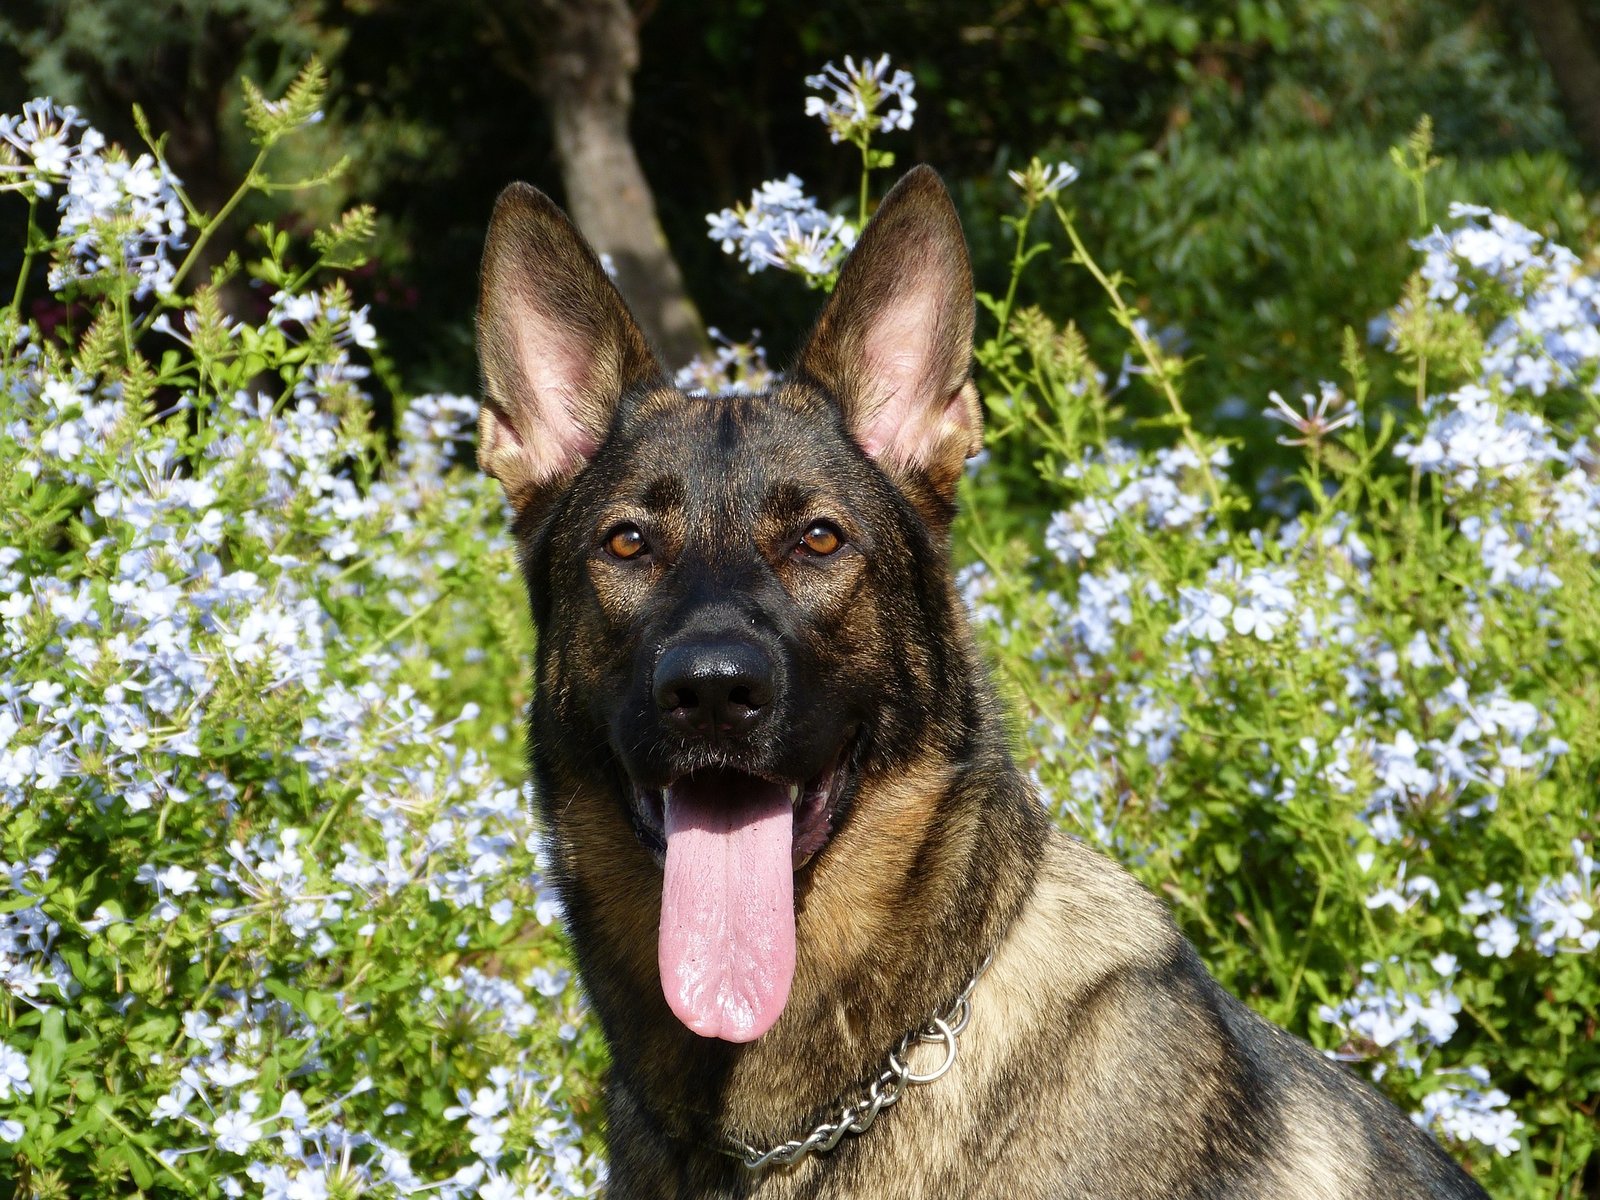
x=271, y=913
x=1355, y=748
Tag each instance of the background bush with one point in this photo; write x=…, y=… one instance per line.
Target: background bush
x=1189, y=116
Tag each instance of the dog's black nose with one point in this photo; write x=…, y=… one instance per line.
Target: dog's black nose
x=713, y=688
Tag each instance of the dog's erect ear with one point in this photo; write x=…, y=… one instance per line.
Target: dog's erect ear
x=558, y=347
x=894, y=341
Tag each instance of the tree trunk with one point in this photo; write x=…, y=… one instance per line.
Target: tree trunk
x=1568, y=42
x=584, y=55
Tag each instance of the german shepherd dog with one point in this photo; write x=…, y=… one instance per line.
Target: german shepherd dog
x=786, y=824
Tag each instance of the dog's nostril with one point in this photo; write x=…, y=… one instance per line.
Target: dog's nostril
x=741, y=696
x=684, y=698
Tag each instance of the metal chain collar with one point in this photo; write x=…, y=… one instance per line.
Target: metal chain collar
x=883, y=1092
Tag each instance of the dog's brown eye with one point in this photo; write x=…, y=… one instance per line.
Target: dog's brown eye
x=626, y=542
x=822, y=538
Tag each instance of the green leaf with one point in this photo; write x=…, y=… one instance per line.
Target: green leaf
x=139, y=1166
x=49, y=1051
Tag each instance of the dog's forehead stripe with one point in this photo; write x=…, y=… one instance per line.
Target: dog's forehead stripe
x=750, y=438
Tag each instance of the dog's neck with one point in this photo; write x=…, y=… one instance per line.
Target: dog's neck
x=892, y=919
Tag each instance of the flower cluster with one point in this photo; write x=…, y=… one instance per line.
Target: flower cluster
x=1476, y=444
x=1551, y=337
x=1560, y=914
x=1040, y=180
x=1401, y=1027
x=37, y=146
x=121, y=217
x=1405, y=1021
x=734, y=367
x=1257, y=603
x=1465, y=1113
x=848, y=99
x=1160, y=494
x=783, y=227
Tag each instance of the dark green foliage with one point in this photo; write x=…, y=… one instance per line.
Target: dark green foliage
x=1263, y=256
x=1233, y=148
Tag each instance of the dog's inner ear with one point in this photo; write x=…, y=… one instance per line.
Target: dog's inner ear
x=894, y=341
x=558, y=346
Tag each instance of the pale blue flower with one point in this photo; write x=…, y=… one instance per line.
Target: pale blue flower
x=1324, y=413
x=234, y=1130
x=13, y=1073
x=1497, y=937
x=1041, y=180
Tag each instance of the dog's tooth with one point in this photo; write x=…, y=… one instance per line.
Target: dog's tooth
x=794, y=793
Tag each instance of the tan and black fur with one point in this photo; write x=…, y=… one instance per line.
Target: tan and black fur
x=1102, y=1061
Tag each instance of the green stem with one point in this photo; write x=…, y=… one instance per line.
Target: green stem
x=1017, y=263
x=125, y=316
x=27, y=261
x=333, y=811
x=1484, y=1023
x=1314, y=453
x=249, y=183
x=1126, y=317
x=1416, y=470
x=1305, y=952
x=300, y=280
x=866, y=172
x=408, y=622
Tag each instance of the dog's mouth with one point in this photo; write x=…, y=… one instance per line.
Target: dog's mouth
x=815, y=804
x=730, y=843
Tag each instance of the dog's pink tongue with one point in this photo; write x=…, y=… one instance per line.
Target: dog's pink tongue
x=727, y=905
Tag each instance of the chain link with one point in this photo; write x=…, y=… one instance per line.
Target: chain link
x=883, y=1092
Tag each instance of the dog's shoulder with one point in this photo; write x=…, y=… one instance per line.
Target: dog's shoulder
x=1107, y=1012
x=1088, y=918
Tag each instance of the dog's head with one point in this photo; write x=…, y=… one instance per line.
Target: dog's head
x=741, y=600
